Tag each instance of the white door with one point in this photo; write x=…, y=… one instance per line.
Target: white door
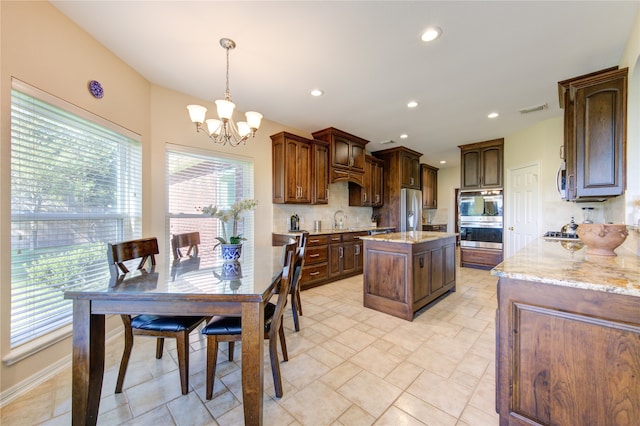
x=522, y=207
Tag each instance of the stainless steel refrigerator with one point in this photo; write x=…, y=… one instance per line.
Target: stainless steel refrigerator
x=410, y=210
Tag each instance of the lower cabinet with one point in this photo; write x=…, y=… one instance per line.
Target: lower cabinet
x=472, y=257
x=566, y=356
x=402, y=278
x=329, y=257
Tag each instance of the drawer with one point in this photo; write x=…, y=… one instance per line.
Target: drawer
x=315, y=254
x=317, y=240
x=335, y=238
x=313, y=273
x=353, y=236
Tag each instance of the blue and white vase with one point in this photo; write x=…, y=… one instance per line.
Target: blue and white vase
x=231, y=252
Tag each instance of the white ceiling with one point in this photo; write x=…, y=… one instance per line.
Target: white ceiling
x=368, y=58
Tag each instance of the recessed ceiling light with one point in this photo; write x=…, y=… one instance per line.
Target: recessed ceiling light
x=443, y=162
x=317, y=92
x=493, y=115
x=404, y=136
x=431, y=34
x=412, y=104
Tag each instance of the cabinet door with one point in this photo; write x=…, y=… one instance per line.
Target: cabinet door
x=303, y=172
x=292, y=193
x=409, y=171
x=357, y=157
x=349, y=262
x=321, y=173
x=429, y=177
x=368, y=180
x=421, y=277
x=341, y=152
x=470, y=169
x=359, y=258
x=377, y=175
x=600, y=127
x=437, y=270
x=491, y=167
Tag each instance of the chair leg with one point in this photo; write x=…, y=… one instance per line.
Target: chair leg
x=298, y=301
x=126, y=353
x=283, y=343
x=159, y=347
x=182, y=343
x=231, y=346
x=294, y=312
x=275, y=367
x=212, y=359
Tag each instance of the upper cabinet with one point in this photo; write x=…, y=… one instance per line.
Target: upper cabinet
x=481, y=165
x=410, y=169
x=429, y=184
x=299, y=170
x=595, y=123
x=347, y=155
x=370, y=193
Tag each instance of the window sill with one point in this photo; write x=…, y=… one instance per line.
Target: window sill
x=31, y=348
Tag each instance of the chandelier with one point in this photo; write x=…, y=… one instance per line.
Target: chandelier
x=223, y=130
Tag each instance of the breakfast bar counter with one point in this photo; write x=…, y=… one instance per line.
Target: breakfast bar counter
x=405, y=271
x=568, y=337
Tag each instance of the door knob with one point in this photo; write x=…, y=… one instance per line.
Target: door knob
x=511, y=228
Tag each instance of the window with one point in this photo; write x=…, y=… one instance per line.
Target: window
x=75, y=185
x=198, y=179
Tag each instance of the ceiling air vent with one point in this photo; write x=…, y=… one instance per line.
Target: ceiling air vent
x=534, y=108
x=387, y=142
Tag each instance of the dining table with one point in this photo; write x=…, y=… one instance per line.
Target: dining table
x=204, y=286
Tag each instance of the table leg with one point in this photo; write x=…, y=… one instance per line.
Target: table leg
x=88, y=363
x=252, y=362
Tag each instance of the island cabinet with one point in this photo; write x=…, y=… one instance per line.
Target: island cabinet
x=405, y=271
x=370, y=193
x=347, y=155
x=565, y=355
x=429, y=185
x=481, y=165
x=595, y=115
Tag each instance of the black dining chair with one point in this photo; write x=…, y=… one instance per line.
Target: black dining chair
x=161, y=327
x=229, y=329
x=296, y=303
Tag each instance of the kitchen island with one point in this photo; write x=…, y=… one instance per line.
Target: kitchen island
x=405, y=271
x=568, y=337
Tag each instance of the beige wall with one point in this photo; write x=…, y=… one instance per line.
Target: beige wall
x=41, y=47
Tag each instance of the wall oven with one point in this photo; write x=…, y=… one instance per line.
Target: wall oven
x=480, y=219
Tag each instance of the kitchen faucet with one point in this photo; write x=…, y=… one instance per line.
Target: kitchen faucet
x=336, y=224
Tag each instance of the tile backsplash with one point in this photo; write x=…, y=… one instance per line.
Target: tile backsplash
x=354, y=217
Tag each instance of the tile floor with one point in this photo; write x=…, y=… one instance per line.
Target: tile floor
x=347, y=366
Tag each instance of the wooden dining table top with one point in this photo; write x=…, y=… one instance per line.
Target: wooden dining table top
x=198, y=278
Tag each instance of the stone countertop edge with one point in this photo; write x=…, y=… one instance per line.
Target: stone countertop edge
x=410, y=237
x=335, y=231
x=549, y=263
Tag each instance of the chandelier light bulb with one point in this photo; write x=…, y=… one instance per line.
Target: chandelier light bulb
x=197, y=113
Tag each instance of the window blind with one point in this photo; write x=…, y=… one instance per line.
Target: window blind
x=75, y=185
x=197, y=179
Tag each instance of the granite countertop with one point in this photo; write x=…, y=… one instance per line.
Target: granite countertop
x=411, y=237
x=336, y=230
x=548, y=262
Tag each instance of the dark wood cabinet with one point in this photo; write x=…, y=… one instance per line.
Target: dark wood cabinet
x=344, y=254
x=595, y=133
x=400, y=164
x=316, y=257
x=402, y=278
x=566, y=356
x=481, y=258
x=409, y=169
x=429, y=184
x=320, y=171
x=481, y=165
x=370, y=193
x=347, y=155
x=300, y=170
x=441, y=227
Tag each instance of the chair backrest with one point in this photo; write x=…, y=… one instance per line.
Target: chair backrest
x=289, y=255
x=299, y=260
x=189, y=239
x=143, y=249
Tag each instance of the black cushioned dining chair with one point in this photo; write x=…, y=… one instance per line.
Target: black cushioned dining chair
x=189, y=240
x=296, y=304
x=161, y=327
x=229, y=329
